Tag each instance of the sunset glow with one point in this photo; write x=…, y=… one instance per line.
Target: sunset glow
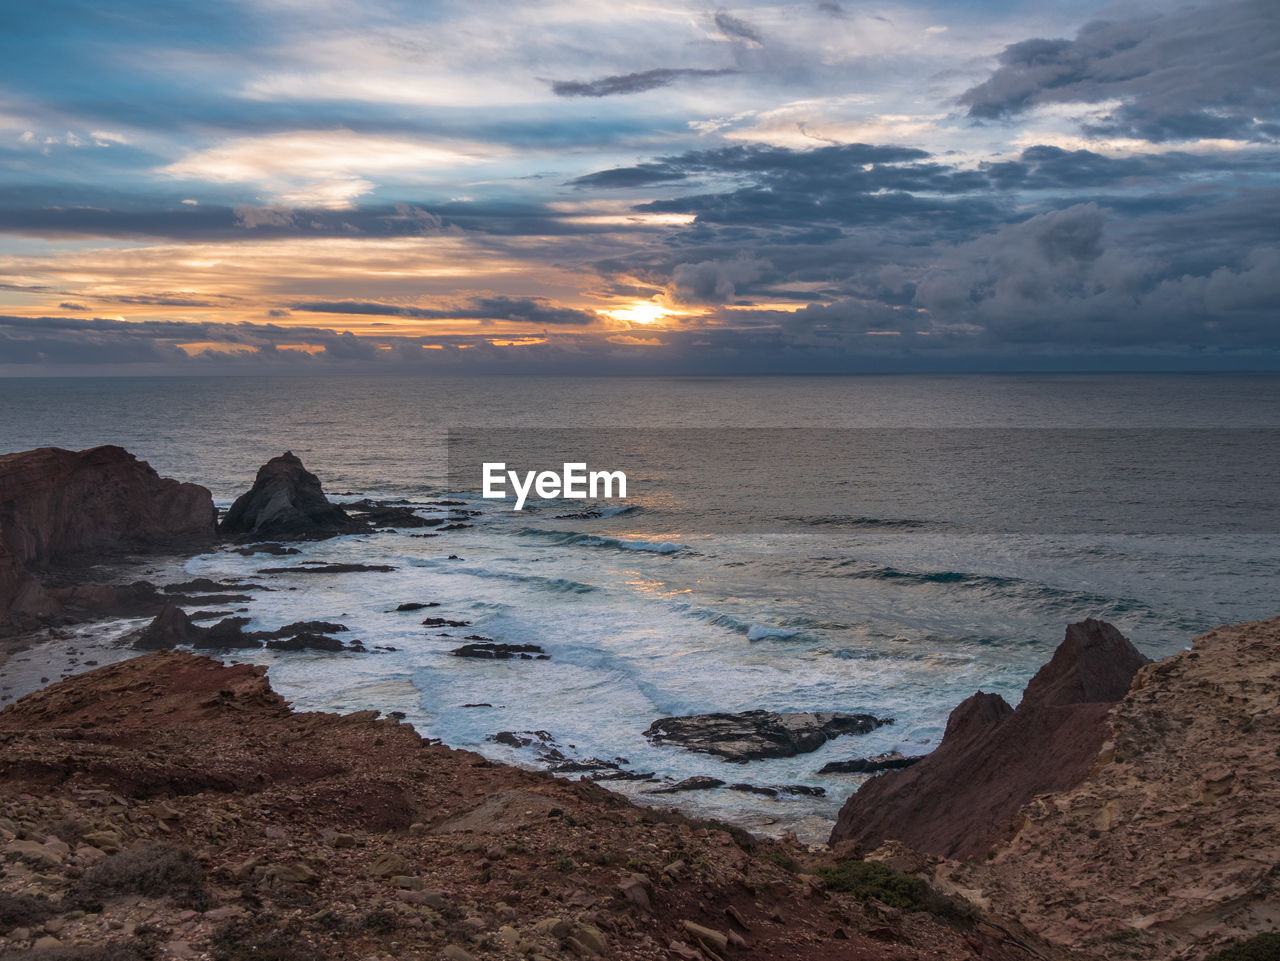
x=775, y=186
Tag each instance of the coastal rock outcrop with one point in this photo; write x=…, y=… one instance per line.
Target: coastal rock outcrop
x=285, y=502
x=60, y=507
x=752, y=735
x=1168, y=848
x=173, y=628
x=965, y=796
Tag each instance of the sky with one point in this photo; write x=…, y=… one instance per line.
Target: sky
x=400, y=185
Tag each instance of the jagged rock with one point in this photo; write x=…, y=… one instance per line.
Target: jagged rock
x=170, y=628
x=751, y=735
x=891, y=761
x=58, y=507
x=964, y=797
x=285, y=502
x=444, y=622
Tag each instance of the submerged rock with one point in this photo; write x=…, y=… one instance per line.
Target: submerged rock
x=891, y=761
x=751, y=735
x=501, y=652
x=330, y=569
x=965, y=796
x=696, y=783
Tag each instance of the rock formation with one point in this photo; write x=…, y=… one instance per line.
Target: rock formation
x=172, y=628
x=61, y=507
x=285, y=501
x=752, y=735
x=965, y=796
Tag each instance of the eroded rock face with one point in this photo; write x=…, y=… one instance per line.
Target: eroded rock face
x=1167, y=849
x=751, y=735
x=286, y=501
x=59, y=506
x=965, y=796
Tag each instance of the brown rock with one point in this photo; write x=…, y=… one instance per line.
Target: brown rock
x=965, y=796
x=58, y=507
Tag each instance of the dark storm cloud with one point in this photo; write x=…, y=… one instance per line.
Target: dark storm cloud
x=213, y=222
x=629, y=82
x=826, y=186
x=736, y=29
x=1211, y=71
x=1056, y=278
x=641, y=175
x=523, y=309
x=1046, y=167
x=811, y=189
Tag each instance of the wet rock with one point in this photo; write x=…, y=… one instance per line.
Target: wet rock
x=444, y=622
x=278, y=550
x=306, y=641
x=331, y=569
x=751, y=735
x=522, y=738
x=303, y=627
x=415, y=606
x=170, y=628
x=695, y=783
x=890, y=761
x=774, y=790
x=500, y=652
x=286, y=501
x=203, y=585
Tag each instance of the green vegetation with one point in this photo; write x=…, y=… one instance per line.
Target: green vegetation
x=781, y=859
x=871, y=879
x=1262, y=947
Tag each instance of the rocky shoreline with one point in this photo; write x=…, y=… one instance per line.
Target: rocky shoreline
x=1124, y=809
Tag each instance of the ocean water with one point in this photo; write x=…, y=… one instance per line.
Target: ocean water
x=885, y=545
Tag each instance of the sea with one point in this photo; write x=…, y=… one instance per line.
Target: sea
x=867, y=544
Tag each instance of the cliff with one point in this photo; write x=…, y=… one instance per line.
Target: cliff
x=1168, y=847
x=965, y=796
x=169, y=806
x=61, y=507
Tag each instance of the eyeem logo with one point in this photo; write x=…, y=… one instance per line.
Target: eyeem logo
x=573, y=483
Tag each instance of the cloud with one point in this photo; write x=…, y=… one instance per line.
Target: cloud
x=735, y=29
x=531, y=310
x=1204, y=72
x=321, y=168
x=712, y=282
x=630, y=82
x=641, y=175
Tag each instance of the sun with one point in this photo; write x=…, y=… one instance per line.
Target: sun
x=641, y=312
